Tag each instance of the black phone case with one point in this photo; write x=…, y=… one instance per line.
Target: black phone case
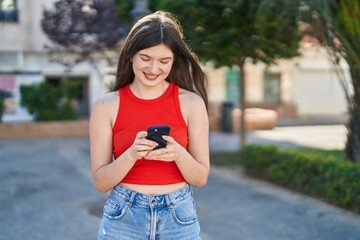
x=155, y=133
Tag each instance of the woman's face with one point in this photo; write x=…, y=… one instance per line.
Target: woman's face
x=152, y=65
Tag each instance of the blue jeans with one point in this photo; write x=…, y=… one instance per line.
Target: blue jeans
x=130, y=215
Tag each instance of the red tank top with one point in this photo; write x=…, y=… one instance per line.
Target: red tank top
x=136, y=115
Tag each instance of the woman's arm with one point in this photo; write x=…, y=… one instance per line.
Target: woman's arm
x=106, y=172
x=194, y=164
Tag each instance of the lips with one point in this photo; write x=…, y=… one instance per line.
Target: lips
x=151, y=76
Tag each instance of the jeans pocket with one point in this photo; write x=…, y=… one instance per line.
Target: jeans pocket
x=115, y=207
x=184, y=212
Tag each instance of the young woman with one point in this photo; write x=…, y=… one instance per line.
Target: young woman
x=159, y=82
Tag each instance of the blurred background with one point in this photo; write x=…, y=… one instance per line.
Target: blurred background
x=283, y=89
x=49, y=42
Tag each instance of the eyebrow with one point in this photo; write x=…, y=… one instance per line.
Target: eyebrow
x=164, y=58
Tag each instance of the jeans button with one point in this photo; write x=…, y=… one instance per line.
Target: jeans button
x=153, y=201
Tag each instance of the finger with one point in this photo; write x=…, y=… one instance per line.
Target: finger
x=168, y=139
x=159, y=152
x=149, y=143
x=141, y=134
x=141, y=140
x=142, y=148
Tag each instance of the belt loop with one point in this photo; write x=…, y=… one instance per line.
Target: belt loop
x=132, y=197
x=168, y=202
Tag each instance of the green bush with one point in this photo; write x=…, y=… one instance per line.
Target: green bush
x=326, y=175
x=47, y=101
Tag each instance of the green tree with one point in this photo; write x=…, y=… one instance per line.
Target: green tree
x=336, y=23
x=230, y=32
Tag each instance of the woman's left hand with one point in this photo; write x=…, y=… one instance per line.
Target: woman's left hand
x=172, y=151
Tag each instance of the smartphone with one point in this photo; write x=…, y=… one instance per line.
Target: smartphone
x=155, y=134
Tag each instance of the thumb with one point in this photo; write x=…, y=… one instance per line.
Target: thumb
x=141, y=134
x=168, y=138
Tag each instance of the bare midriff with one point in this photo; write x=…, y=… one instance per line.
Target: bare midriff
x=154, y=189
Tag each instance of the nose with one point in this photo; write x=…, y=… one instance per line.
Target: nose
x=153, y=67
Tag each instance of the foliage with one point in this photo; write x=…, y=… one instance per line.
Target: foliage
x=336, y=24
x=236, y=28
x=46, y=101
x=325, y=175
x=229, y=32
x=3, y=95
x=124, y=10
x=82, y=31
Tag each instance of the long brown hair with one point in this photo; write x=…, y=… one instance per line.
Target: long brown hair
x=154, y=29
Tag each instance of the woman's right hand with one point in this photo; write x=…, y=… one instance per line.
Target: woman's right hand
x=141, y=146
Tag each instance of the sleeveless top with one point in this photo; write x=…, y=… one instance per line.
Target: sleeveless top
x=135, y=115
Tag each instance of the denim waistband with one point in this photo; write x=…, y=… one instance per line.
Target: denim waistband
x=169, y=200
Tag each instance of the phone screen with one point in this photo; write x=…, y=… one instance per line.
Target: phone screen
x=155, y=133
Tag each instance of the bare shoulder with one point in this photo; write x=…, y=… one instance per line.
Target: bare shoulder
x=192, y=106
x=107, y=105
x=190, y=100
x=107, y=100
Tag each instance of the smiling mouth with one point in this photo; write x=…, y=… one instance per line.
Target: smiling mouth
x=151, y=76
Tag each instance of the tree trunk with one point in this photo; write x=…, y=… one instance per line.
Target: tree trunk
x=242, y=102
x=352, y=148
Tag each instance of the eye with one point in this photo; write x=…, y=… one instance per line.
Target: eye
x=164, y=62
x=145, y=59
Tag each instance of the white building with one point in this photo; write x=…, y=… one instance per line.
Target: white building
x=23, y=59
x=305, y=86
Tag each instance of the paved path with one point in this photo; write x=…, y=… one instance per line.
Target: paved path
x=321, y=136
x=47, y=193
x=232, y=206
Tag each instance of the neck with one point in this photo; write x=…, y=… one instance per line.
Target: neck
x=148, y=92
